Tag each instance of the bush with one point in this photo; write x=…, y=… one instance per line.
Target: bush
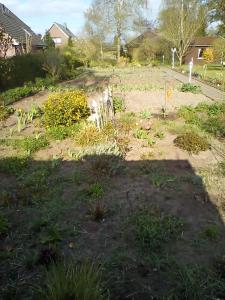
x=188, y=87
x=74, y=282
x=192, y=142
x=65, y=108
x=16, y=94
x=5, y=112
x=19, y=69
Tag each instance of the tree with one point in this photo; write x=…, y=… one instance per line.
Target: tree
x=6, y=41
x=180, y=21
x=219, y=50
x=217, y=13
x=121, y=16
x=48, y=40
x=96, y=25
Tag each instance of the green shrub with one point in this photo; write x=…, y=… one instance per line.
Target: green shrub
x=16, y=94
x=19, y=69
x=80, y=282
x=188, y=87
x=65, y=108
x=192, y=142
x=118, y=104
x=5, y=112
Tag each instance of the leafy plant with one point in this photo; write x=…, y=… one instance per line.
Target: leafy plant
x=96, y=190
x=65, y=109
x=188, y=87
x=33, y=144
x=141, y=134
x=72, y=281
x=118, y=104
x=145, y=114
x=51, y=235
x=211, y=232
x=58, y=132
x=160, y=135
x=192, y=142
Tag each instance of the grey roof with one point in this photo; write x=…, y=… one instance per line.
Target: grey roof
x=16, y=28
x=66, y=30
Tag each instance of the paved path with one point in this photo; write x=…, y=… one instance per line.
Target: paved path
x=207, y=90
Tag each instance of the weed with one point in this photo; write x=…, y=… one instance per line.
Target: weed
x=72, y=281
x=162, y=181
x=188, y=87
x=145, y=114
x=148, y=155
x=141, y=134
x=96, y=190
x=192, y=142
x=160, y=135
x=118, y=104
x=211, y=233
x=154, y=230
x=4, y=225
x=97, y=211
x=151, y=142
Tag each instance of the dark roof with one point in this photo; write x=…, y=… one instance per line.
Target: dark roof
x=149, y=34
x=204, y=41
x=65, y=29
x=16, y=28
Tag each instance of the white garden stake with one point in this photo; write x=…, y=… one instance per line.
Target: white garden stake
x=173, y=50
x=190, y=69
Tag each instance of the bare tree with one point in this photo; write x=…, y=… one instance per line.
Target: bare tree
x=180, y=21
x=6, y=41
x=118, y=17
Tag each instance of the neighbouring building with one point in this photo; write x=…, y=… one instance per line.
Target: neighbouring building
x=196, y=49
x=60, y=34
x=23, y=39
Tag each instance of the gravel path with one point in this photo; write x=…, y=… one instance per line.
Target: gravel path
x=207, y=90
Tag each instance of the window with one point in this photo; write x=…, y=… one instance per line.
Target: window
x=200, y=53
x=57, y=41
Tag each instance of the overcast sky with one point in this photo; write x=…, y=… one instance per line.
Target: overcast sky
x=40, y=14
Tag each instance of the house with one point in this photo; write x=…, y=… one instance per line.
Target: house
x=60, y=34
x=196, y=49
x=22, y=38
x=133, y=46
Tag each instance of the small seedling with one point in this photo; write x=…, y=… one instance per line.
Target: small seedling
x=145, y=114
x=160, y=135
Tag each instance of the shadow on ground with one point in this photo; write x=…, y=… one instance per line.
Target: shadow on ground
x=157, y=224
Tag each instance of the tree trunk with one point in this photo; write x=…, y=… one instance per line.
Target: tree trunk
x=101, y=52
x=118, y=48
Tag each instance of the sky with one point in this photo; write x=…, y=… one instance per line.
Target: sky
x=41, y=14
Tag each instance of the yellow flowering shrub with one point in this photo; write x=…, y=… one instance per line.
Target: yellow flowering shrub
x=65, y=108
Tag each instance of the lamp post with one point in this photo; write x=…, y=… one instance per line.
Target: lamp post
x=173, y=50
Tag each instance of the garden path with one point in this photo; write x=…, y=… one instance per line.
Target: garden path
x=207, y=90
